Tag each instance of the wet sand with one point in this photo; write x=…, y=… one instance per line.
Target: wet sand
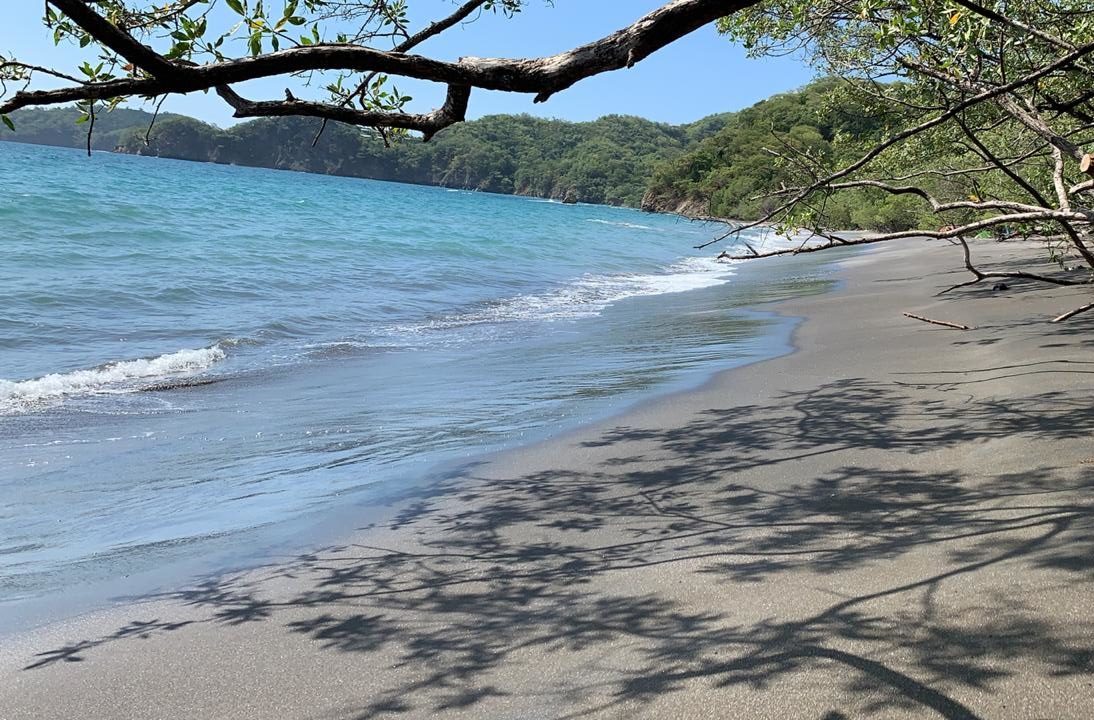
x=895, y=521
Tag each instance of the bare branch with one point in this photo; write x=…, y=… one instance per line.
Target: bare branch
x=410, y=43
x=1080, y=187
x=1058, y=179
x=943, y=323
x=152, y=122
x=936, y=206
x=1073, y=313
x=90, y=125
x=980, y=275
x=40, y=69
x=428, y=124
x=969, y=228
x=439, y=26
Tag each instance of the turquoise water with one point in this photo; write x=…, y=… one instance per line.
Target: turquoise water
x=189, y=352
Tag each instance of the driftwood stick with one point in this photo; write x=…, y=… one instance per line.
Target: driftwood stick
x=1073, y=313
x=943, y=323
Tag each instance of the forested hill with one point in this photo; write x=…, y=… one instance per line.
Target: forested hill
x=713, y=166
x=609, y=160
x=58, y=126
x=732, y=171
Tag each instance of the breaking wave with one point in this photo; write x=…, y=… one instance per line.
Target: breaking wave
x=114, y=377
x=588, y=295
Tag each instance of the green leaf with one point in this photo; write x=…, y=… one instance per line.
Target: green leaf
x=7, y=121
x=237, y=6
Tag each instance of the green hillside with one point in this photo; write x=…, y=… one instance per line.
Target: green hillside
x=608, y=160
x=716, y=166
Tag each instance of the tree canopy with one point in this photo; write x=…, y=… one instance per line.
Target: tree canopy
x=984, y=107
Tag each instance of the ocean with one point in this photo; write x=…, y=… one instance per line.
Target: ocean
x=196, y=361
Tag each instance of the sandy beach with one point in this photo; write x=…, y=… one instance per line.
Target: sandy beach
x=895, y=521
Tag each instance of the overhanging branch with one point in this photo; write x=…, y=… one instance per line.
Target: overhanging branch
x=972, y=101
x=539, y=76
x=429, y=124
x=949, y=233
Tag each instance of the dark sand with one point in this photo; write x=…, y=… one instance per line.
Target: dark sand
x=896, y=521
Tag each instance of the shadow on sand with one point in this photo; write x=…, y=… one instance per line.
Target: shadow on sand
x=495, y=570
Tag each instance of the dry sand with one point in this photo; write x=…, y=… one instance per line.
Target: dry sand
x=895, y=521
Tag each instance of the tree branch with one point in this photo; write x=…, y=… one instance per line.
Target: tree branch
x=984, y=96
x=540, y=76
x=1012, y=23
x=118, y=40
x=429, y=124
x=943, y=323
x=980, y=275
x=972, y=227
x=1073, y=313
x=936, y=206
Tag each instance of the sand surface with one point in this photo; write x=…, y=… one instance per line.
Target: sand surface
x=896, y=521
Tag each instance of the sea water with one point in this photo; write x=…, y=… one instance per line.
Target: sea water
x=189, y=352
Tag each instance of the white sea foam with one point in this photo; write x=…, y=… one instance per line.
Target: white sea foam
x=114, y=377
x=633, y=226
x=768, y=241
x=589, y=295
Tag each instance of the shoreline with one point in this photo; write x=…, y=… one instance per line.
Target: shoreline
x=321, y=527
x=892, y=520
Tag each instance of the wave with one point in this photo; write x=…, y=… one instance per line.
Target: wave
x=633, y=226
x=154, y=373
x=768, y=241
x=588, y=295
x=339, y=349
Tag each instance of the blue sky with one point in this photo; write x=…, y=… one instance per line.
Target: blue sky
x=702, y=74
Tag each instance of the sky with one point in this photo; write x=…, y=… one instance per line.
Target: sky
x=701, y=74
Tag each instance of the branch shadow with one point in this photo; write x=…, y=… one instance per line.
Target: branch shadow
x=498, y=574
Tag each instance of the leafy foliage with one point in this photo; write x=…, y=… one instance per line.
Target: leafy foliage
x=606, y=161
x=719, y=165
x=730, y=173
x=990, y=126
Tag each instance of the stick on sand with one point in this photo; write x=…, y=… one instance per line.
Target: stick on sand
x=943, y=323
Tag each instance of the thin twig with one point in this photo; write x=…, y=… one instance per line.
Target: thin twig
x=90, y=125
x=156, y=114
x=943, y=323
